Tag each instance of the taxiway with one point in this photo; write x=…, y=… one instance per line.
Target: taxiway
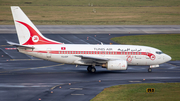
x=25, y=78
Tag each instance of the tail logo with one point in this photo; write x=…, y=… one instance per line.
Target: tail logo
x=35, y=38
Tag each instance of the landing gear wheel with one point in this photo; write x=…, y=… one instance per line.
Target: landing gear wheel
x=91, y=69
x=149, y=70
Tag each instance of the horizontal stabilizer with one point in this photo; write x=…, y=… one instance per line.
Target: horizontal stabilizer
x=18, y=45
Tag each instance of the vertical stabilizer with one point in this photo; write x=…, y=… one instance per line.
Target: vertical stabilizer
x=27, y=32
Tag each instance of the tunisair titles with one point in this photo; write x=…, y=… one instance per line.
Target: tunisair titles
x=119, y=49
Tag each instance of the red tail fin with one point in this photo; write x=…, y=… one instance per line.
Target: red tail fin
x=35, y=38
x=27, y=32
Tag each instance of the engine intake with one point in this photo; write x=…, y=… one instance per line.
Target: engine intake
x=116, y=65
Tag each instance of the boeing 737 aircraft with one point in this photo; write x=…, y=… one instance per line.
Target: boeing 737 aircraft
x=112, y=57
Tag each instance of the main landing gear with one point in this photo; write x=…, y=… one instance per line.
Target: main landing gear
x=91, y=69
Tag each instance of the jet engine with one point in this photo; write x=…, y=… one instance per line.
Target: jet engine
x=116, y=65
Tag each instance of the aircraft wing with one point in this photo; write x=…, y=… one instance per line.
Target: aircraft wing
x=95, y=59
x=18, y=45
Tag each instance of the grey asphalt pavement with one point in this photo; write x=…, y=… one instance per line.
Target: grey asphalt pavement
x=99, y=29
x=25, y=78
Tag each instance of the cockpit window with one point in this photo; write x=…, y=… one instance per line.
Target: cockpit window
x=158, y=52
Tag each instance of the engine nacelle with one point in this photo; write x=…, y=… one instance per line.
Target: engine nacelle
x=116, y=65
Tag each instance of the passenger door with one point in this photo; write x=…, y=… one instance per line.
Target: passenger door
x=48, y=55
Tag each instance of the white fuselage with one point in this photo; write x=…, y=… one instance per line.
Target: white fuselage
x=67, y=53
x=112, y=57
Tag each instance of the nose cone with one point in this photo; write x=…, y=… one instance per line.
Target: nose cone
x=167, y=58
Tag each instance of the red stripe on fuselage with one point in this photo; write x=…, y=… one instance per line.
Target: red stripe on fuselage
x=97, y=52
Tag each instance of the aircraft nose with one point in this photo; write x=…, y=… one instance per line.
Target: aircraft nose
x=167, y=58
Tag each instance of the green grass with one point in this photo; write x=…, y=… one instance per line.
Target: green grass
x=108, y=12
x=137, y=92
x=168, y=43
x=102, y=3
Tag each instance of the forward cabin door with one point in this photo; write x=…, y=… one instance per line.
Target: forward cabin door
x=146, y=56
x=48, y=55
x=147, y=59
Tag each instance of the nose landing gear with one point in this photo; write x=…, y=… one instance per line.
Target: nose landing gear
x=91, y=69
x=149, y=70
x=152, y=66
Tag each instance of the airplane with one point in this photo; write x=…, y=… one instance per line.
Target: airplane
x=111, y=57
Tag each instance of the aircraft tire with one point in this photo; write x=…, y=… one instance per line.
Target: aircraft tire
x=91, y=69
